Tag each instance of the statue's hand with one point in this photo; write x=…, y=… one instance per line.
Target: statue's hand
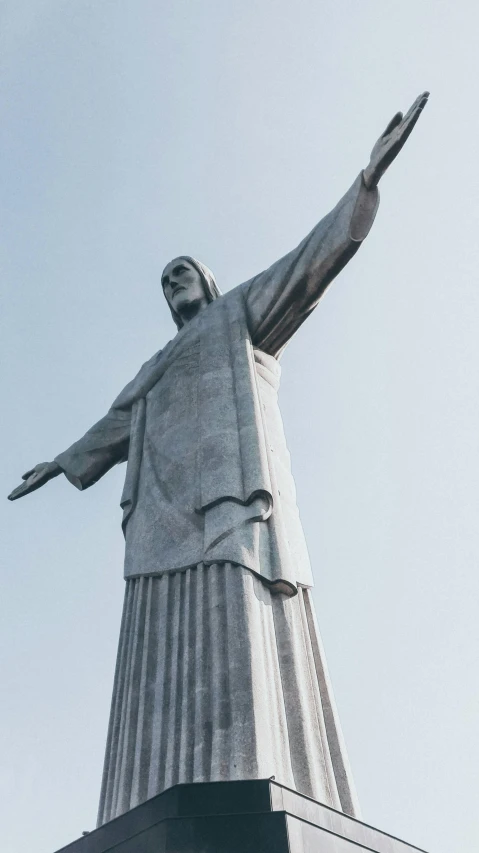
x=36, y=477
x=392, y=140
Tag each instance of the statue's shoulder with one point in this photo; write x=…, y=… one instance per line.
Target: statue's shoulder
x=233, y=301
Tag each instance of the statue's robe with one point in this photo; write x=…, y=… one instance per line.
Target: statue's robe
x=220, y=672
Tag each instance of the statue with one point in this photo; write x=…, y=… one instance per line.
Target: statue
x=220, y=672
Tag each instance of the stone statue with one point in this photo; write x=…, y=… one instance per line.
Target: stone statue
x=220, y=672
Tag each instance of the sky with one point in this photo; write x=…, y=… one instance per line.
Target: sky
x=133, y=131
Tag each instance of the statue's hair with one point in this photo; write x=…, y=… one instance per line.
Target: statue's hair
x=212, y=290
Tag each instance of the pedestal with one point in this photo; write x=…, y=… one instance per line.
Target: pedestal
x=257, y=816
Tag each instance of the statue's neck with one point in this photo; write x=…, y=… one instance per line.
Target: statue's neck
x=190, y=311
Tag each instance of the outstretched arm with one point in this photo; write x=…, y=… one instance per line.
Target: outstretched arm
x=280, y=298
x=105, y=444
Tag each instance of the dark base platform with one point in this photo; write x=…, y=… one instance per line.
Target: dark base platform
x=257, y=816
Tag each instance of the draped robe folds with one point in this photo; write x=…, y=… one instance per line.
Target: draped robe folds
x=209, y=504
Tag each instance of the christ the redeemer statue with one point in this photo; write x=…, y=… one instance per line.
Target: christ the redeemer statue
x=220, y=672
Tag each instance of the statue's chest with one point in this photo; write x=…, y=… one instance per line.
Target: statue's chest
x=173, y=401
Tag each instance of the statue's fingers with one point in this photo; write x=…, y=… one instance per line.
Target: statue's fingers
x=18, y=492
x=417, y=107
x=412, y=109
x=28, y=474
x=397, y=119
x=409, y=123
x=33, y=482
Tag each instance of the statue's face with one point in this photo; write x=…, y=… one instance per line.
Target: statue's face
x=182, y=285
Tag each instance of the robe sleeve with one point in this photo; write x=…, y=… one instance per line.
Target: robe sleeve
x=279, y=299
x=108, y=441
x=104, y=445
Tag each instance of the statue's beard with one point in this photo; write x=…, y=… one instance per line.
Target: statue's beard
x=186, y=309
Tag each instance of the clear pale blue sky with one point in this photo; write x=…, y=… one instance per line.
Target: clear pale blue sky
x=133, y=131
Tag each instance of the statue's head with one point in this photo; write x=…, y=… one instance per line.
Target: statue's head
x=188, y=286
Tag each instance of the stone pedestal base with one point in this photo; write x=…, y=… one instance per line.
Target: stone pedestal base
x=257, y=816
